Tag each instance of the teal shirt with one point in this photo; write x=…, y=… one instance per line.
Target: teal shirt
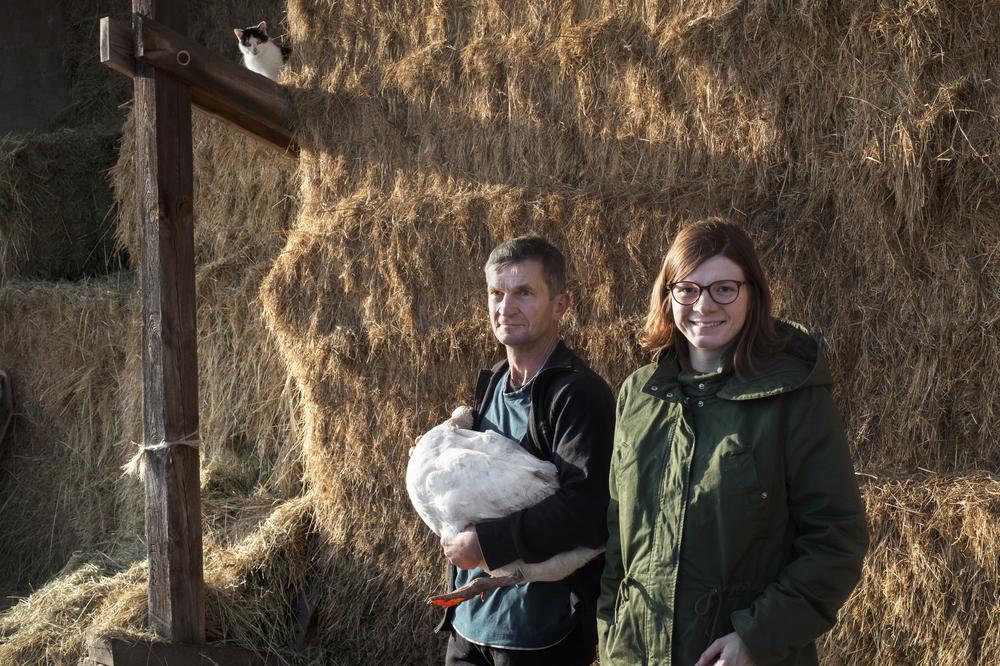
x=530, y=616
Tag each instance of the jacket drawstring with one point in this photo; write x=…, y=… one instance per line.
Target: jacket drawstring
x=623, y=586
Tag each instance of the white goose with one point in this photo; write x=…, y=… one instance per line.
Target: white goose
x=458, y=477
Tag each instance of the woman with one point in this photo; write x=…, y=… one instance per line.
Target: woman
x=736, y=526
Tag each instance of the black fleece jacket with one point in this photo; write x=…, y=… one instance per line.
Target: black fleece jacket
x=571, y=424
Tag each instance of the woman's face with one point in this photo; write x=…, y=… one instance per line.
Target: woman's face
x=707, y=325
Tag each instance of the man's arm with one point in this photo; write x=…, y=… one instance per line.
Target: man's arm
x=581, y=419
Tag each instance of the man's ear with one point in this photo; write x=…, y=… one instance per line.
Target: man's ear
x=563, y=303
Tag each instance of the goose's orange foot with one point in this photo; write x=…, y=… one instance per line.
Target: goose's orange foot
x=480, y=587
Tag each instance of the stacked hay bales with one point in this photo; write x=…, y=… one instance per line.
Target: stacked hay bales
x=72, y=347
x=56, y=220
x=64, y=343
x=74, y=356
x=55, y=204
x=242, y=211
x=856, y=142
x=65, y=347
x=861, y=160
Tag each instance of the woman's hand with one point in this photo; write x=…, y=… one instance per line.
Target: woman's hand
x=726, y=651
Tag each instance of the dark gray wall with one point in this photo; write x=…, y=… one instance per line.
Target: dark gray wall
x=33, y=82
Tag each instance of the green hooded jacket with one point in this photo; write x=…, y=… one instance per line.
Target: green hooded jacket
x=733, y=507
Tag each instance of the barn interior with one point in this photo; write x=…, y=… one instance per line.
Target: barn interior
x=340, y=291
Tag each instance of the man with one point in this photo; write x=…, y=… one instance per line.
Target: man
x=546, y=398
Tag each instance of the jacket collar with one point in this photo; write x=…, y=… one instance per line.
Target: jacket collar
x=798, y=365
x=561, y=357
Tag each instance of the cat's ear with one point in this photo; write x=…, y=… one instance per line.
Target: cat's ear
x=239, y=34
x=262, y=26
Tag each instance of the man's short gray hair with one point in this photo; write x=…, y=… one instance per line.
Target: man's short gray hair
x=532, y=246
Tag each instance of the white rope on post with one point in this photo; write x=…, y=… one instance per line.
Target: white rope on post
x=134, y=467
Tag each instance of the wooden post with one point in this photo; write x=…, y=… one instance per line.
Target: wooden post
x=169, y=343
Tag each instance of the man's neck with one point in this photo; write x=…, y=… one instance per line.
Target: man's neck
x=525, y=363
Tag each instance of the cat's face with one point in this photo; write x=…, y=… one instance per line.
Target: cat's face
x=251, y=38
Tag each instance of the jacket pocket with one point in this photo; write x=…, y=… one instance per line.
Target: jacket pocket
x=623, y=642
x=743, y=496
x=623, y=457
x=624, y=465
x=728, y=492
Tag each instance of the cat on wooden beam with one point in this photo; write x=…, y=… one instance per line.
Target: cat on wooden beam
x=260, y=54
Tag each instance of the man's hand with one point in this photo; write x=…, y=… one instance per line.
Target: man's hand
x=463, y=550
x=726, y=651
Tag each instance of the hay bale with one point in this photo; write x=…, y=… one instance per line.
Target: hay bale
x=55, y=204
x=65, y=347
x=930, y=594
x=861, y=161
x=249, y=404
x=250, y=587
x=79, y=384
x=855, y=179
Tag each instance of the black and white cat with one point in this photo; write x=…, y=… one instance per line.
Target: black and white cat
x=260, y=54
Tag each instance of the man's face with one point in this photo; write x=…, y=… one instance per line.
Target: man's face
x=523, y=313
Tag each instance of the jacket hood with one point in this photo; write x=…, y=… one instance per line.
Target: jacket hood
x=799, y=365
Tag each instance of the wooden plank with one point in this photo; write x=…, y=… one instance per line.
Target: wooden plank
x=116, y=651
x=222, y=88
x=164, y=167
x=117, y=46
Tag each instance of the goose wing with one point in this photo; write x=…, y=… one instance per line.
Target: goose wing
x=457, y=477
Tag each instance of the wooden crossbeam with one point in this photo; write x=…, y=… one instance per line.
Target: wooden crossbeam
x=254, y=103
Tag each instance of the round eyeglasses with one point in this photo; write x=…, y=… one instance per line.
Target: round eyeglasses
x=722, y=292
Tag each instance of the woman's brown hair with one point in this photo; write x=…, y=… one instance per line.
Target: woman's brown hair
x=694, y=244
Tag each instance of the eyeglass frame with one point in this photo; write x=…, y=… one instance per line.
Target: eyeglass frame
x=703, y=288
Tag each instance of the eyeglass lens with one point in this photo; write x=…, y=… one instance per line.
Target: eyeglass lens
x=722, y=292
